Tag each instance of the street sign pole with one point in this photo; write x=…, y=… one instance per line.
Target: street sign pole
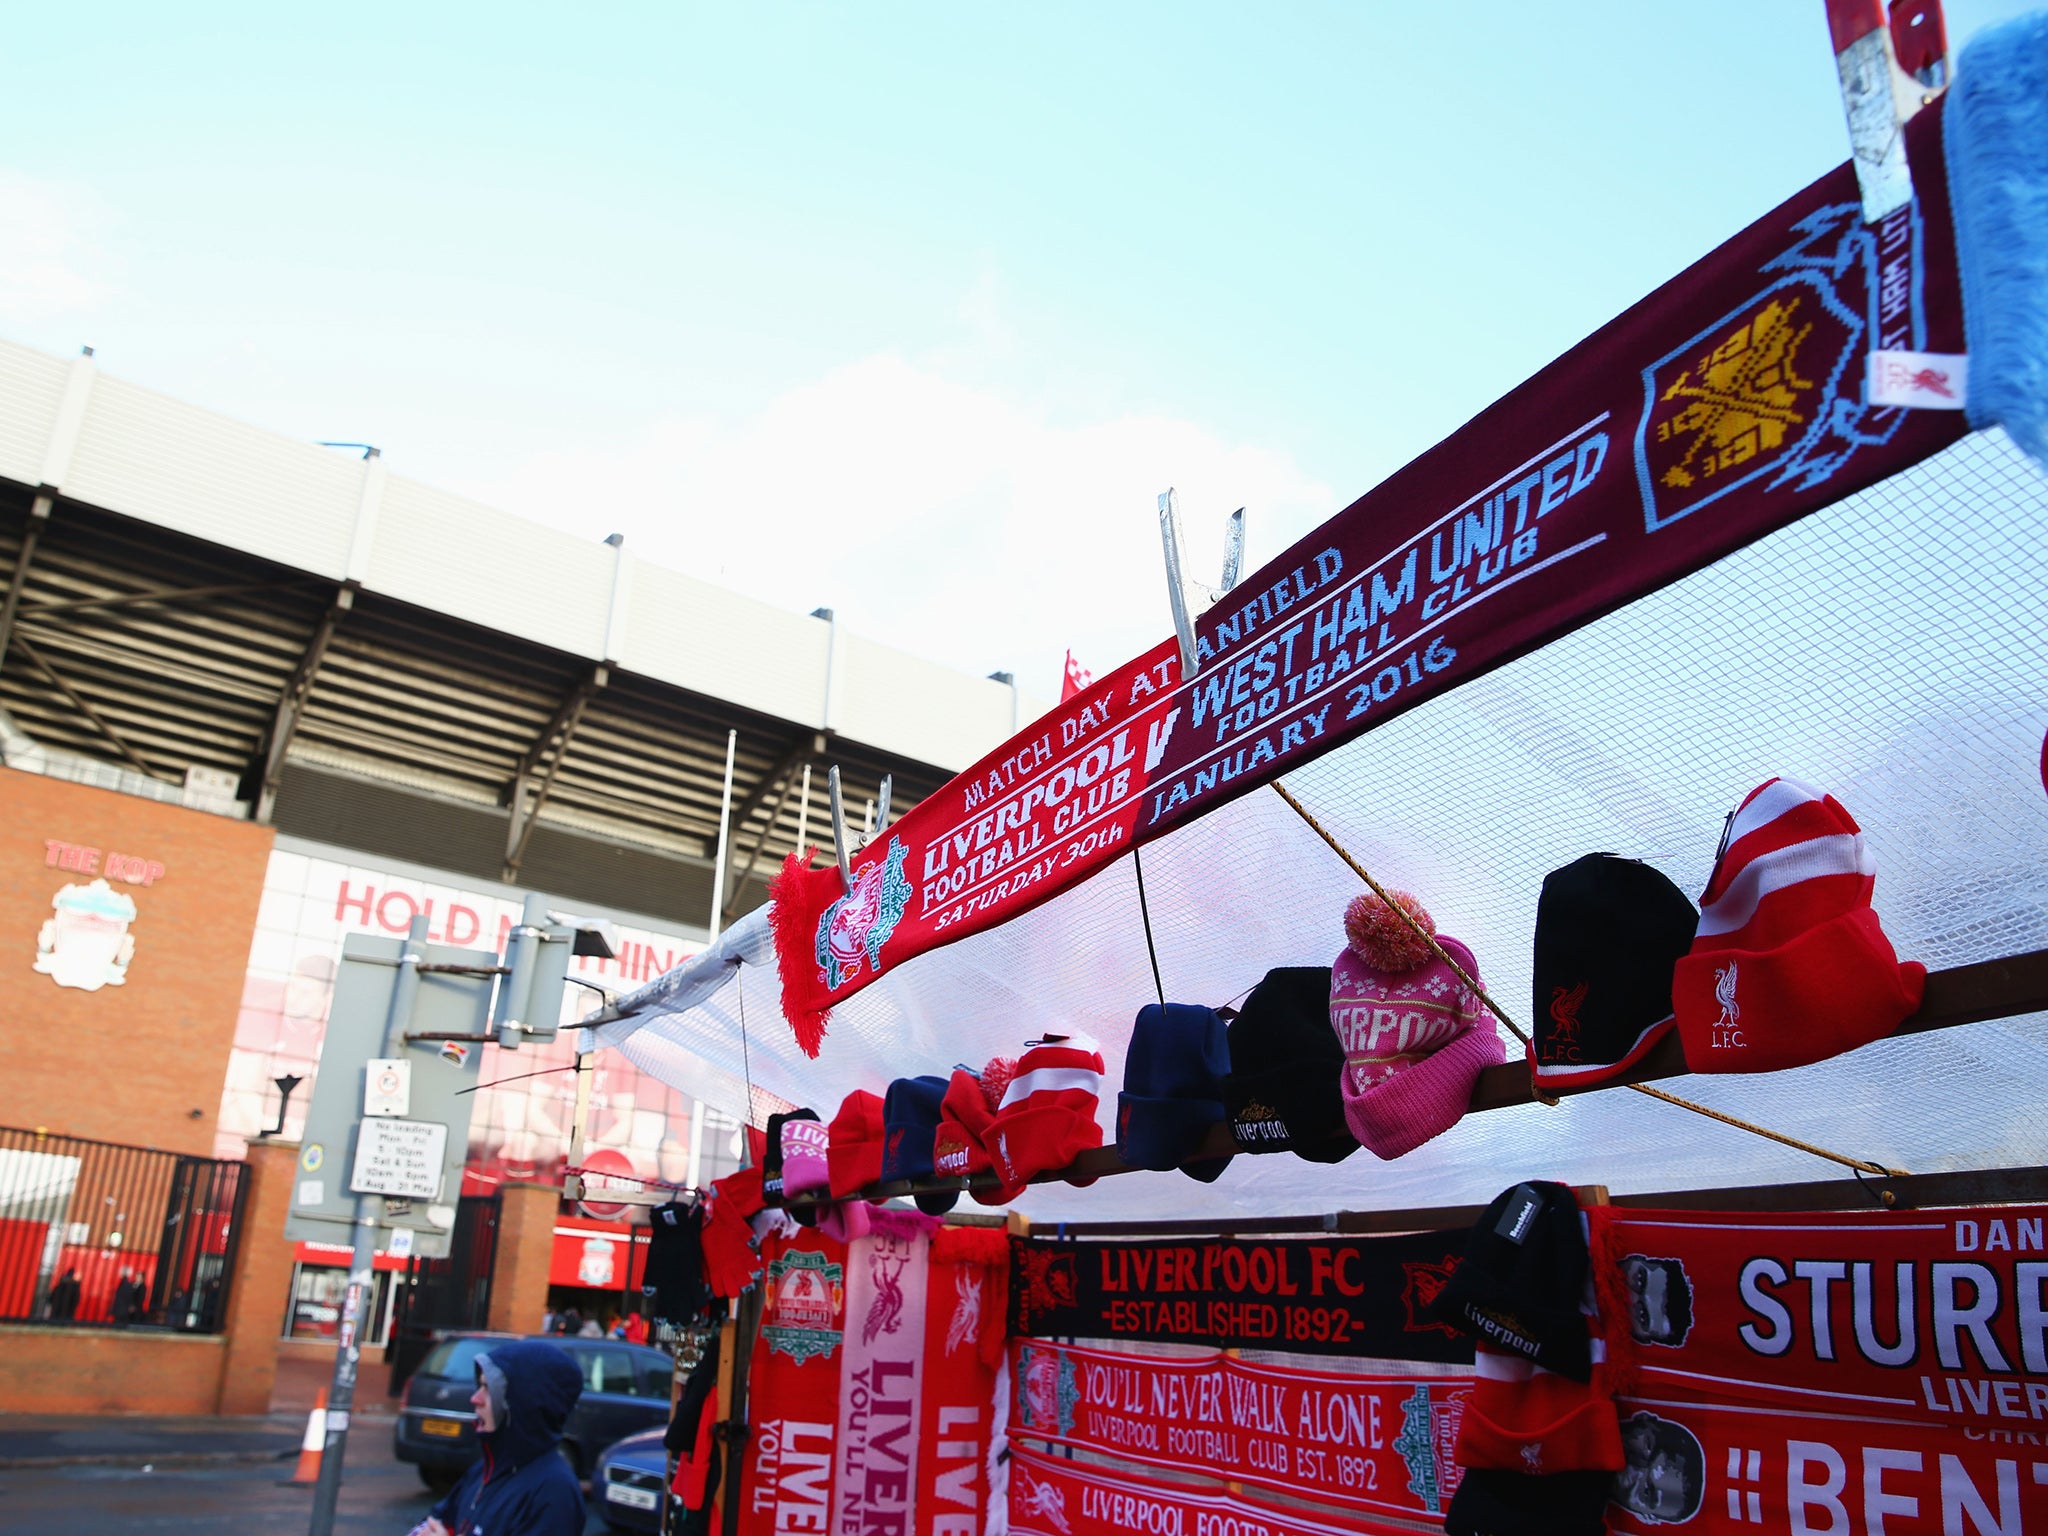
x=361, y=1279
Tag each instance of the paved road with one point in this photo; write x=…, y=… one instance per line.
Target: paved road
x=379, y=1497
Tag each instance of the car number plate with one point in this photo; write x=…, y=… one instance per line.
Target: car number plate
x=449, y=1429
x=632, y=1498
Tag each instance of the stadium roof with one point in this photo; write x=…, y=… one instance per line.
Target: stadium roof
x=382, y=664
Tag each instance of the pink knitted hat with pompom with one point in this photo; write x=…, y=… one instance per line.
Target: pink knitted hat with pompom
x=1415, y=1037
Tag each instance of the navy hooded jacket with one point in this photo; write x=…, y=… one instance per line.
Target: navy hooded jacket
x=521, y=1487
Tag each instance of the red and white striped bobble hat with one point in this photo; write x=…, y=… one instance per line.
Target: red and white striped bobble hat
x=1047, y=1116
x=1790, y=964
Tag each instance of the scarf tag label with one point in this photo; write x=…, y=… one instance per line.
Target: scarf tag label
x=1925, y=381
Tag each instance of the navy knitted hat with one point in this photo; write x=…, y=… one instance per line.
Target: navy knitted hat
x=910, y=1120
x=1174, y=1070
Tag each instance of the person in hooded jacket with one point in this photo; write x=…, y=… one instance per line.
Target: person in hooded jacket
x=520, y=1487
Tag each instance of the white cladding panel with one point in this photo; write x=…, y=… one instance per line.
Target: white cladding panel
x=148, y=456
x=918, y=708
x=460, y=557
x=716, y=642
x=31, y=389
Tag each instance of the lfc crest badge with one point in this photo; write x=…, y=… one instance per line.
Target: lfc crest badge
x=854, y=928
x=1421, y=1283
x=806, y=1299
x=87, y=943
x=1047, y=1391
x=1429, y=1433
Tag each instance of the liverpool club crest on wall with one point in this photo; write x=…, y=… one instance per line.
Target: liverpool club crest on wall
x=86, y=944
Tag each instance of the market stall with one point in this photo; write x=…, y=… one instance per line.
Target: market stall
x=1682, y=714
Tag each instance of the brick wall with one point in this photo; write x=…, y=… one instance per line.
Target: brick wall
x=108, y=1370
x=140, y=1062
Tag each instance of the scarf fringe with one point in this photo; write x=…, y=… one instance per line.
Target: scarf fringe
x=1995, y=141
x=795, y=907
x=1611, y=1298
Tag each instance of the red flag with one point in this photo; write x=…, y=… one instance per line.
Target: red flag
x=1077, y=678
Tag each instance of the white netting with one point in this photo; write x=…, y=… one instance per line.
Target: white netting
x=1892, y=649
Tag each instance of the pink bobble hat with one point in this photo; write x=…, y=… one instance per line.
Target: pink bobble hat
x=1415, y=1037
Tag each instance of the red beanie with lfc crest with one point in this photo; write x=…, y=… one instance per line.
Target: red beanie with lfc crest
x=1790, y=965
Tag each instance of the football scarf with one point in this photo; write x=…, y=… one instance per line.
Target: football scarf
x=881, y=1377
x=1939, y=1317
x=1378, y=1443
x=784, y=1481
x=1725, y=405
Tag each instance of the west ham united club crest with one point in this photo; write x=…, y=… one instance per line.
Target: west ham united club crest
x=854, y=928
x=1773, y=390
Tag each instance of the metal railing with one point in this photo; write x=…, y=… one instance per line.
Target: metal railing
x=97, y=1234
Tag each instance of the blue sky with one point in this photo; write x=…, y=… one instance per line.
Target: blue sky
x=908, y=310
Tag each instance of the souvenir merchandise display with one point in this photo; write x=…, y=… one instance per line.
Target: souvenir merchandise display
x=964, y=1316
x=1415, y=1037
x=775, y=1145
x=877, y=1450
x=1790, y=965
x=1540, y=1419
x=1525, y=1419
x=1609, y=931
x=1496, y=1503
x=1282, y=1092
x=1289, y=1351
x=844, y=1220
x=770, y=1155
x=1174, y=1074
x=1937, y=1317
x=786, y=1476
x=1724, y=1469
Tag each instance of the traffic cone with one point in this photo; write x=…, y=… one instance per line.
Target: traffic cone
x=308, y=1469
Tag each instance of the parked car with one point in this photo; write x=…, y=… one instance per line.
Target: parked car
x=626, y=1482
x=625, y=1388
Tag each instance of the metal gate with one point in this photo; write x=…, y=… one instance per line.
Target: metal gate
x=93, y=1233
x=439, y=1295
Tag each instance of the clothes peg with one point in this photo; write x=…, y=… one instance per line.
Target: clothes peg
x=839, y=839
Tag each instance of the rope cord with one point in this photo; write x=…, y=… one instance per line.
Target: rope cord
x=739, y=974
x=1856, y=1163
x=1145, y=913
x=1480, y=992
x=1471, y=982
